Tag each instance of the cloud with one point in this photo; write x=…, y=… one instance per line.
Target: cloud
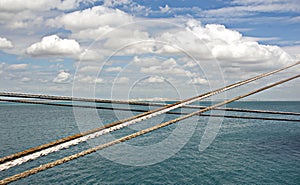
x=53, y=45
x=108, y=26
x=198, y=81
x=90, y=55
x=13, y=71
x=105, y=24
x=164, y=9
x=257, y=2
x=40, y=5
x=92, y=18
x=92, y=33
x=62, y=77
x=155, y=79
x=5, y=43
x=293, y=50
x=121, y=80
x=89, y=69
x=167, y=67
x=128, y=6
x=127, y=35
x=295, y=19
x=116, y=2
x=145, y=61
x=19, y=5
x=190, y=64
x=89, y=79
x=257, y=39
x=18, y=66
x=242, y=8
x=25, y=79
x=18, y=25
x=114, y=69
x=229, y=47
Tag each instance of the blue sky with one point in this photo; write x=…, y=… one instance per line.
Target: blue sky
x=169, y=49
x=264, y=23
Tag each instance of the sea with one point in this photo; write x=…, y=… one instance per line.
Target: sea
x=241, y=151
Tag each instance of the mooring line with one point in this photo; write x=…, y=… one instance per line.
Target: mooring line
x=134, y=135
x=123, y=123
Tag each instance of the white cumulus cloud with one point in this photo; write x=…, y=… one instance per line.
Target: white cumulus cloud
x=198, y=81
x=95, y=17
x=164, y=9
x=5, y=43
x=62, y=77
x=214, y=41
x=155, y=79
x=54, y=45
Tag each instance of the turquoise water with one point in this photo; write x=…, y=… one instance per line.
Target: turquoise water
x=244, y=151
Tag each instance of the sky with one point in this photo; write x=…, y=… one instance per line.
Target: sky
x=125, y=49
